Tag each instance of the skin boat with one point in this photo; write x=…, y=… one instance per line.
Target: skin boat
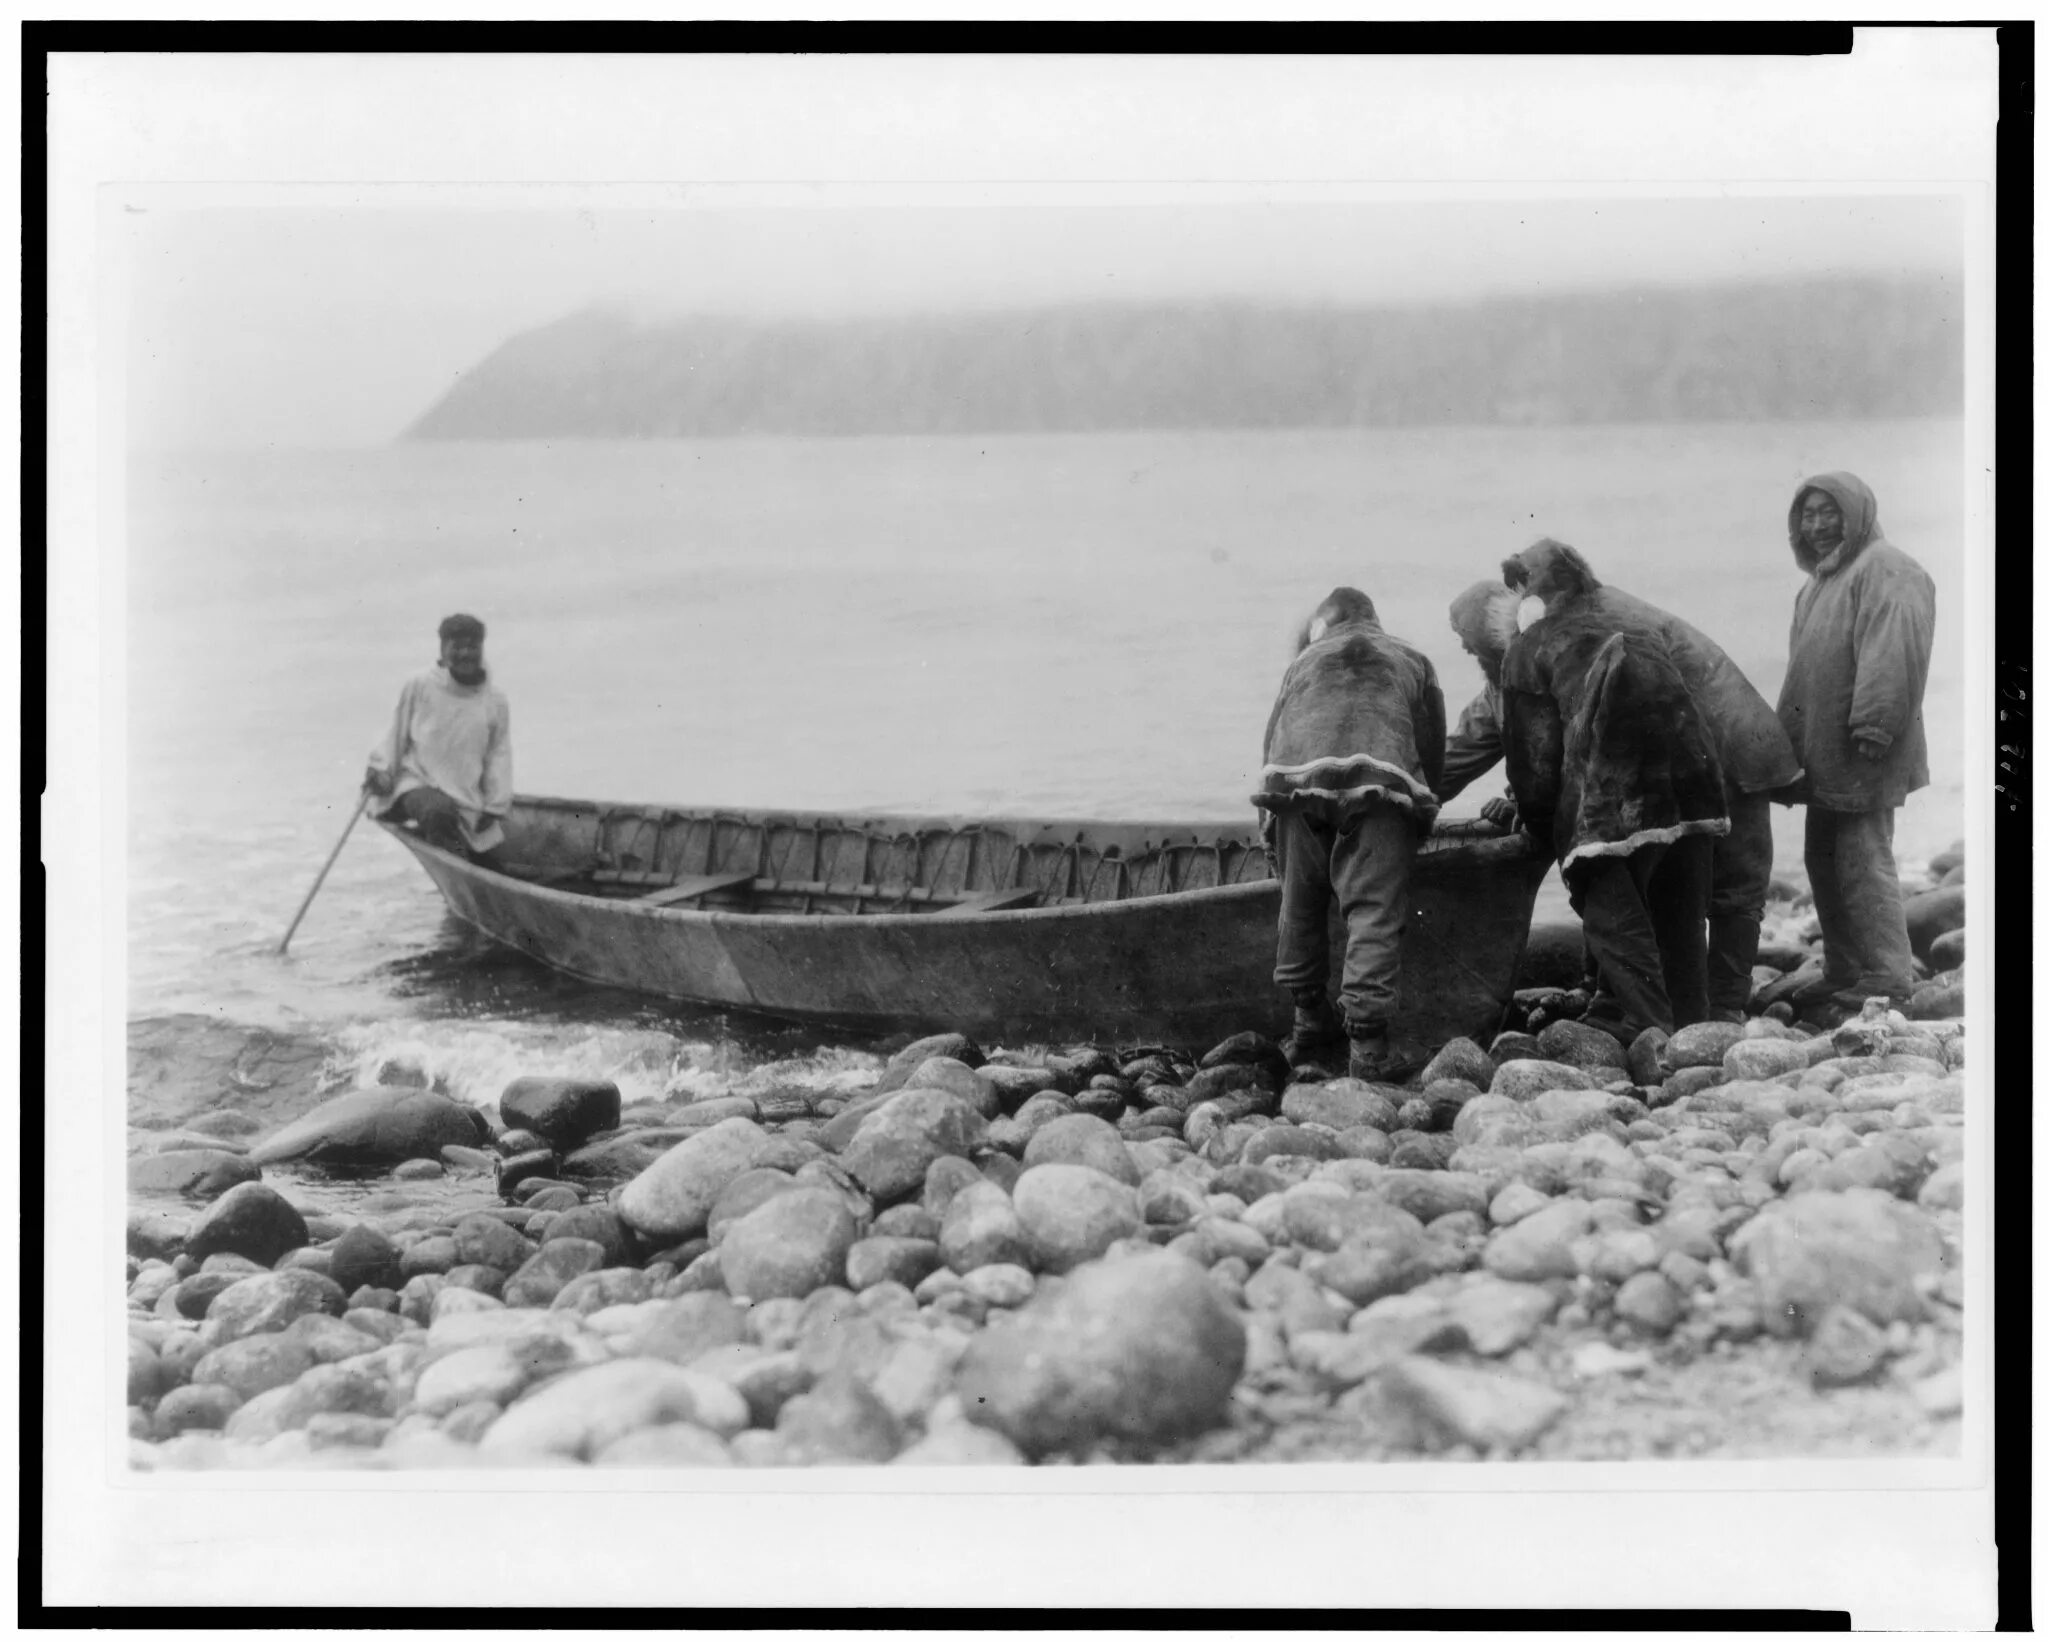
x=1009, y=930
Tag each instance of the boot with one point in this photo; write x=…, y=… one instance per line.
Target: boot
x=1316, y=1028
x=1373, y=1059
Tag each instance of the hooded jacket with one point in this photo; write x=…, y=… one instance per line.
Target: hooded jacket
x=1862, y=628
x=1756, y=754
x=1606, y=751
x=1359, y=719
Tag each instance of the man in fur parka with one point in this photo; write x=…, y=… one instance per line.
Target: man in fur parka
x=1353, y=751
x=1757, y=762
x=1614, y=770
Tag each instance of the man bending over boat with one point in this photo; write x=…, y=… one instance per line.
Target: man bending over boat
x=1757, y=760
x=1483, y=617
x=1354, y=750
x=1613, y=768
x=445, y=765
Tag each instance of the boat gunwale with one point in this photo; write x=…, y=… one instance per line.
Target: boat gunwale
x=1518, y=846
x=819, y=920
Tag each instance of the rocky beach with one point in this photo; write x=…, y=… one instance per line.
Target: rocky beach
x=1740, y=1241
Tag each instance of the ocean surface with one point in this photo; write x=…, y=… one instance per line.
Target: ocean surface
x=1083, y=625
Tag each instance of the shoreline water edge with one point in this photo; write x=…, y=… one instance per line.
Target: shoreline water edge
x=1741, y=1242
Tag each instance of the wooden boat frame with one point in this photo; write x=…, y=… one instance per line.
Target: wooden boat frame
x=1030, y=930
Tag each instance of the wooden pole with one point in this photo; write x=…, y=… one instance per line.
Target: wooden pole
x=362, y=799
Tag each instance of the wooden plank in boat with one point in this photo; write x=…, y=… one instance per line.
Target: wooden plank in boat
x=1000, y=901
x=688, y=889
x=543, y=876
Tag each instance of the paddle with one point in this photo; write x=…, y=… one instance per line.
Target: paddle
x=355, y=815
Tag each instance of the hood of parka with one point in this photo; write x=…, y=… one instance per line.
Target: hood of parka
x=1858, y=503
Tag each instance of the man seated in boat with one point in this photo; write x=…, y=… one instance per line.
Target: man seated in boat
x=1483, y=617
x=1353, y=751
x=1756, y=755
x=1613, y=769
x=445, y=765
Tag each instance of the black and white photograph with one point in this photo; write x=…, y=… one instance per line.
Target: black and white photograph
x=806, y=828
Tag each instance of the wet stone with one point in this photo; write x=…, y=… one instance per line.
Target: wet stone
x=250, y=1220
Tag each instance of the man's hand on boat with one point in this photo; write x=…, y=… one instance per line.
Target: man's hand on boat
x=1501, y=813
x=377, y=781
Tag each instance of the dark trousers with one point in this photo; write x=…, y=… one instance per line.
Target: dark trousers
x=1856, y=893
x=1735, y=903
x=439, y=819
x=1364, y=868
x=1645, y=916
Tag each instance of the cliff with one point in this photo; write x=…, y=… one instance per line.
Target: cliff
x=1834, y=348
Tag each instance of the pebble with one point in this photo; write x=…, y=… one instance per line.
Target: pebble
x=251, y=1220
x=1340, y=1104
x=1845, y=1348
x=1140, y=1348
x=1496, y=1316
x=268, y=1301
x=1573, y=1043
x=1522, y=1080
x=1539, y=1245
x=561, y=1112
x=898, y=1141
x=1488, y=1409
x=957, y=1077
x=1083, y=1140
x=587, y=1410
x=672, y=1198
x=981, y=1228
x=1703, y=1044
x=838, y=1421
x=905, y=1260
x=1651, y=1302
x=551, y=1267
x=663, y=1447
x=1071, y=1214
x=1860, y=1248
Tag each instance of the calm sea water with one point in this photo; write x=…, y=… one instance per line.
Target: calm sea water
x=1075, y=624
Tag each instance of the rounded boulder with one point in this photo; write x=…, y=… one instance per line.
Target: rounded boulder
x=1072, y=1214
x=1084, y=1140
x=792, y=1244
x=1143, y=1349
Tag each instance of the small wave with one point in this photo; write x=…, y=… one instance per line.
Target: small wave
x=473, y=1061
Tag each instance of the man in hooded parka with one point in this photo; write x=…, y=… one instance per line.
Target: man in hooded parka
x=1756, y=757
x=1354, y=747
x=1613, y=768
x=1862, y=627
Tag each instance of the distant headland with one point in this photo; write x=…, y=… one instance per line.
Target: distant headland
x=1838, y=348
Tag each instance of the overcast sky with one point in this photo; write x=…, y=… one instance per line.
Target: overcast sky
x=339, y=325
